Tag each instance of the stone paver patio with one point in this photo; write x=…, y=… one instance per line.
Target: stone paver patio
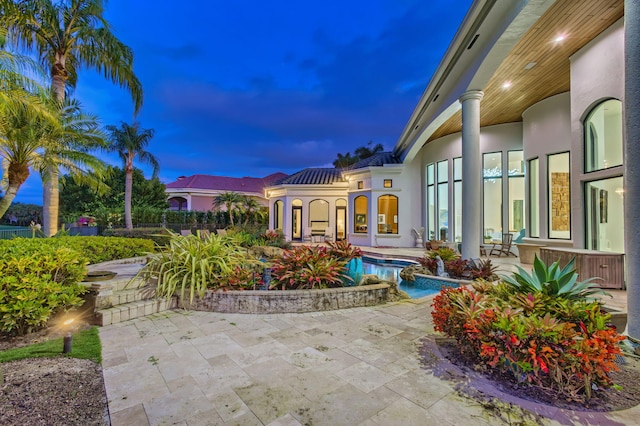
x=358, y=366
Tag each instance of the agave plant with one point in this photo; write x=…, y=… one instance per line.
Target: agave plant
x=553, y=281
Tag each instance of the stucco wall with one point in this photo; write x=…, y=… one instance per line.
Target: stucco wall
x=503, y=138
x=546, y=129
x=597, y=74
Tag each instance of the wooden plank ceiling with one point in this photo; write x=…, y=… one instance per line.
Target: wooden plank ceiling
x=579, y=21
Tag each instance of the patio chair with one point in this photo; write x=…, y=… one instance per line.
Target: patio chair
x=328, y=235
x=185, y=232
x=306, y=235
x=503, y=247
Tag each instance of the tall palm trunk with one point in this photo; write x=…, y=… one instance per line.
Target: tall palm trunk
x=16, y=176
x=128, y=189
x=51, y=188
x=9, y=195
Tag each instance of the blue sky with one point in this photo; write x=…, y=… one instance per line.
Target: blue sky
x=249, y=88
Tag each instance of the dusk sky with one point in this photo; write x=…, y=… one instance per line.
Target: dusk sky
x=249, y=88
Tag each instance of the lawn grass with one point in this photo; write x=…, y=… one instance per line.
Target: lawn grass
x=86, y=345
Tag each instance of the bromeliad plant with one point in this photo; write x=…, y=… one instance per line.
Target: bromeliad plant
x=307, y=267
x=543, y=330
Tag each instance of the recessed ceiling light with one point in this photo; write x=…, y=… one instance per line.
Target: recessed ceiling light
x=560, y=38
x=506, y=84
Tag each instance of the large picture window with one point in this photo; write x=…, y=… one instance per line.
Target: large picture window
x=534, y=198
x=361, y=214
x=515, y=178
x=457, y=198
x=603, y=136
x=431, y=201
x=443, y=200
x=318, y=216
x=492, y=185
x=387, y=214
x=559, y=196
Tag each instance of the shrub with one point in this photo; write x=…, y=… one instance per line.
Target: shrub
x=542, y=338
x=28, y=301
x=483, y=269
x=190, y=264
x=307, y=267
x=160, y=236
x=90, y=249
x=343, y=250
x=446, y=254
x=61, y=264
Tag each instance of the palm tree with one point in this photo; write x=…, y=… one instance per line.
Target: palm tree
x=130, y=141
x=230, y=200
x=368, y=150
x=30, y=142
x=250, y=207
x=68, y=35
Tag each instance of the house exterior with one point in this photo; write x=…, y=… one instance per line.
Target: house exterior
x=529, y=125
x=520, y=131
x=196, y=192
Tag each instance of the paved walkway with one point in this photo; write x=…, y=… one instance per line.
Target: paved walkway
x=358, y=366
x=351, y=367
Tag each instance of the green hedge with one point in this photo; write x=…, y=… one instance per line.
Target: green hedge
x=160, y=236
x=39, y=277
x=91, y=249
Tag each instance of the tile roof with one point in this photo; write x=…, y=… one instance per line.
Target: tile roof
x=313, y=176
x=379, y=159
x=225, y=183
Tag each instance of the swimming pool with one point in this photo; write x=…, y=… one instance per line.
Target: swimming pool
x=389, y=270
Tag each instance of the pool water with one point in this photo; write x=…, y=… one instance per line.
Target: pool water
x=389, y=270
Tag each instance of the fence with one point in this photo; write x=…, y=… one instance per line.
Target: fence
x=15, y=232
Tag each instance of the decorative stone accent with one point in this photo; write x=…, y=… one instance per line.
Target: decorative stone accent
x=290, y=301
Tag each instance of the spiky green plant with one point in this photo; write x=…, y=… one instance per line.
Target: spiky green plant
x=189, y=264
x=553, y=281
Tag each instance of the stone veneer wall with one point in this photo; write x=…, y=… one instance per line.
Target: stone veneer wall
x=290, y=301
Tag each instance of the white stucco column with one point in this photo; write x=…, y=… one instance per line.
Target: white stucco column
x=471, y=174
x=631, y=161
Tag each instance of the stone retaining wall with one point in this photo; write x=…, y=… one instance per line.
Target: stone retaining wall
x=290, y=301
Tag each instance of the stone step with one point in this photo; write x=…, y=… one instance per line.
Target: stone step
x=126, y=283
x=128, y=295
x=131, y=310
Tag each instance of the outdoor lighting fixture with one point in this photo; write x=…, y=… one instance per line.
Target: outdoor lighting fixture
x=506, y=85
x=68, y=338
x=560, y=38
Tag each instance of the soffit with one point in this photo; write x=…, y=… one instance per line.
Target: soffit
x=581, y=21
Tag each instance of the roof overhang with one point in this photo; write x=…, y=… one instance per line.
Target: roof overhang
x=500, y=42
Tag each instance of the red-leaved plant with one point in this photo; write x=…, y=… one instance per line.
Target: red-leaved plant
x=307, y=267
x=551, y=342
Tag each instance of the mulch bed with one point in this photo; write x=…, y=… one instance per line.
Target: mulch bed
x=443, y=357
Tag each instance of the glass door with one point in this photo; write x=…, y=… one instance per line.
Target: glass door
x=341, y=221
x=296, y=231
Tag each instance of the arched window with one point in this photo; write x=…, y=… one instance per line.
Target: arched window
x=177, y=203
x=361, y=217
x=387, y=214
x=318, y=216
x=603, y=136
x=278, y=215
